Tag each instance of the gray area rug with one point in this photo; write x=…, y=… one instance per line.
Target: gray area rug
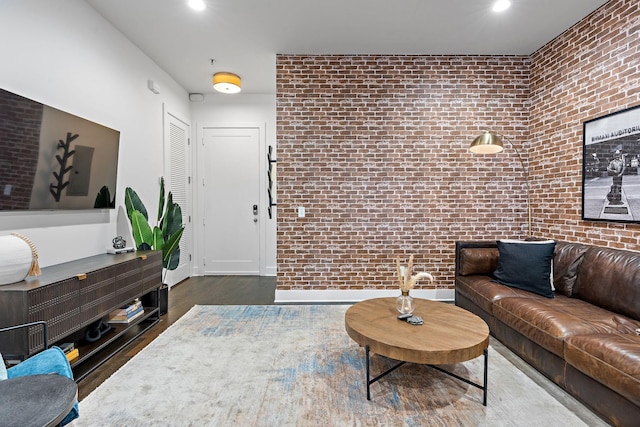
x=296, y=366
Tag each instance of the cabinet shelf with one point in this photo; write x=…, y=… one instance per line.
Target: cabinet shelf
x=92, y=355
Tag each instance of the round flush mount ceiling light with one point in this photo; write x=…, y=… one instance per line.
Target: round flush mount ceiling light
x=501, y=5
x=226, y=82
x=197, y=4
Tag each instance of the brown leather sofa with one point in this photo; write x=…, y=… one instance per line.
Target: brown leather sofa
x=586, y=339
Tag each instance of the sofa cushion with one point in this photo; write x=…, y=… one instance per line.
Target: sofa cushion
x=611, y=359
x=478, y=261
x=548, y=322
x=610, y=278
x=526, y=265
x=567, y=258
x=483, y=291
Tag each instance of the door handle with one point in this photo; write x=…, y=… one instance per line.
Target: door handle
x=255, y=209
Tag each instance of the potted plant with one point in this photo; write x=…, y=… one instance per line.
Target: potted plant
x=163, y=236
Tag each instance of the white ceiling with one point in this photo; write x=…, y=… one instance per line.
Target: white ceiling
x=243, y=36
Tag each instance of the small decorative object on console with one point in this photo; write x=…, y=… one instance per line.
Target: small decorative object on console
x=18, y=258
x=96, y=330
x=405, y=303
x=119, y=246
x=119, y=242
x=127, y=313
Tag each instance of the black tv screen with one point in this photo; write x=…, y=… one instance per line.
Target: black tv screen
x=53, y=160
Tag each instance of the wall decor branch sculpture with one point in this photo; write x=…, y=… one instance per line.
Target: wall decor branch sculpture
x=56, y=189
x=271, y=161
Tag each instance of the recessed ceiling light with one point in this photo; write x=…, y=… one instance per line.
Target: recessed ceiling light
x=501, y=5
x=197, y=4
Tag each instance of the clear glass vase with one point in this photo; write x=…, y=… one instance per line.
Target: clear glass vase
x=405, y=303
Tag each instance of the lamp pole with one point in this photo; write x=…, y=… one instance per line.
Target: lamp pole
x=526, y=180
x=490, y=142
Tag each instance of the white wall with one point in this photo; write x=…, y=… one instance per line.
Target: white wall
x=218, y=110
x=64, y=54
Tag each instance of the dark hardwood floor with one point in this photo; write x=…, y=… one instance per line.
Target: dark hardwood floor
x=209, y=290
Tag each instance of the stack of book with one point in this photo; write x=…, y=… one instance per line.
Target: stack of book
x=128, y=313
x=70, y=351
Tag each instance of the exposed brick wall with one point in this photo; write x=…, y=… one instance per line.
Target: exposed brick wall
x=591, y=70
x=20, y=120
x=376, y=149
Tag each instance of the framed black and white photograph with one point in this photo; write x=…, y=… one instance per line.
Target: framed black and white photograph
x=610, y=179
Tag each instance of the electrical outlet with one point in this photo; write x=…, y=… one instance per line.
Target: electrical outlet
x=301, y=212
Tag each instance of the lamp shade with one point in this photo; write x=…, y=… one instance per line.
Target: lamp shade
x=487, y=143
x=226, y=82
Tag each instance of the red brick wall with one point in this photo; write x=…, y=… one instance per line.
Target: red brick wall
x=376, y=149
x=20, y=120
x=591, y=70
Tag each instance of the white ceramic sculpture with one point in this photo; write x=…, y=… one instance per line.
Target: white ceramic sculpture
x=17, y=258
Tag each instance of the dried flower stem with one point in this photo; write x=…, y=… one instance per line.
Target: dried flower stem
x=400, y=278
x=408, y=281
x=408, y=272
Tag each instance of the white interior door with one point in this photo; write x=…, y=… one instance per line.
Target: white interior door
x=232, y=200
x=177, y=180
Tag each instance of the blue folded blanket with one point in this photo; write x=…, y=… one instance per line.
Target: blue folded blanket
x=51, y=361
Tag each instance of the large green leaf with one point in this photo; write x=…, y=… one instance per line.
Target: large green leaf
x=142, y=234
x=171, y=263
x=170, y=247
x=133, y=203
x=172, y=220
x=161, y=200
x=158, y=240
x=163, y=220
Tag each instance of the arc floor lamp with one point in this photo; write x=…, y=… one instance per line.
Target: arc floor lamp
x=490, y=142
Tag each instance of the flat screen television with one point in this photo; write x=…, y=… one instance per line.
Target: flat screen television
x=53, y=160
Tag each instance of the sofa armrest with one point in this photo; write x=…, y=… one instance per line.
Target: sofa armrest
x=476, y=257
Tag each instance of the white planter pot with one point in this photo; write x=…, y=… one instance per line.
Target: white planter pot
x=15, y=259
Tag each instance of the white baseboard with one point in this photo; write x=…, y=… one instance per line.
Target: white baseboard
x=269, y=272
x=302, y=296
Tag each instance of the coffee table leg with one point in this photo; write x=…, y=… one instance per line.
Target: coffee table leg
x=366, y=349
x=486, y=375
x=385, y=373
x=482, y=387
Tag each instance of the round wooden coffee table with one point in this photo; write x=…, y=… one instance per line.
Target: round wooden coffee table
x=449, y=335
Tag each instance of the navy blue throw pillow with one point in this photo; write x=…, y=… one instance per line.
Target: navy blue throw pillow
x=526, y=265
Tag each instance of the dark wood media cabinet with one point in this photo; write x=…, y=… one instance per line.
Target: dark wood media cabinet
x=71, y=296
